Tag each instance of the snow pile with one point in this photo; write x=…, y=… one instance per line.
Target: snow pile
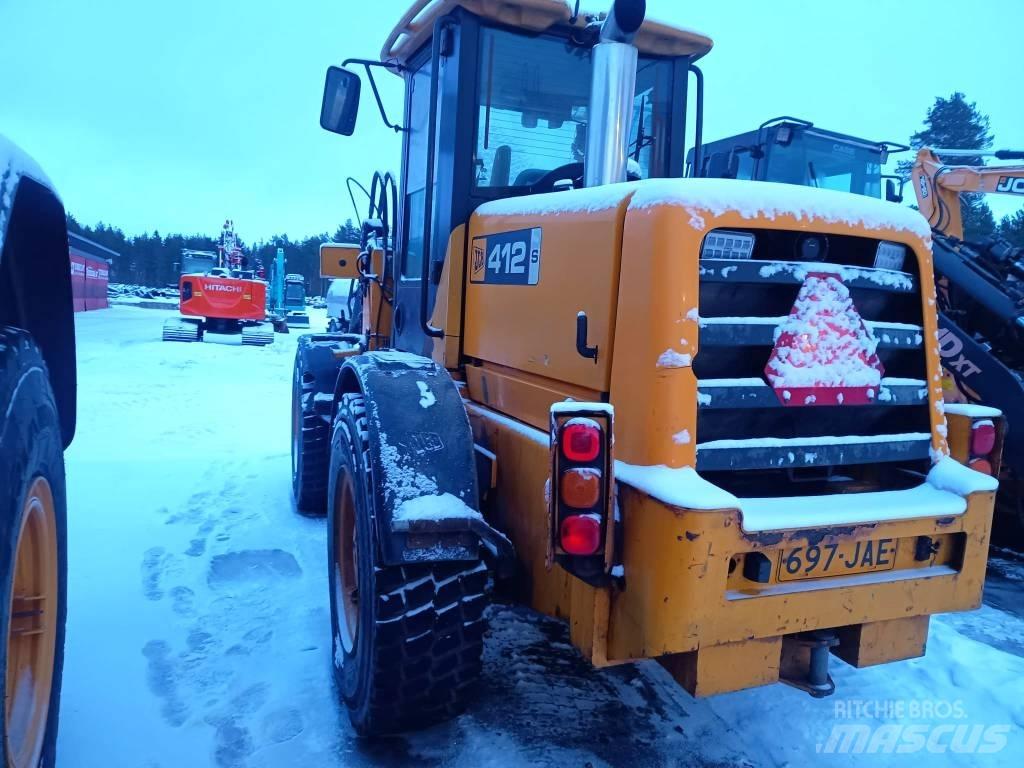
x=784, y=442
x=824, y=342
x=142, y=295
x=787, y=513
x=972, y=411
x=762, y=199
x=672, y=359
x=800, y=270
x=942, y=495
x=678, y=487
x=434, y=507
x=948, y=474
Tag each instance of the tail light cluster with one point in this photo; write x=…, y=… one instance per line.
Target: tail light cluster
x=581, y=481
x=982, y=446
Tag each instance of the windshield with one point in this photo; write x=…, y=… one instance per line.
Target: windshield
x=532, y=115
x=813, y=160
x=295, y=291
x=192, y=264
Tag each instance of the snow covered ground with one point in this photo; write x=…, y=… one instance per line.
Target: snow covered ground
x=198, y=620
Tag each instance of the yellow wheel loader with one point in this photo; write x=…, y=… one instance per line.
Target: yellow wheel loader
x=700, y=420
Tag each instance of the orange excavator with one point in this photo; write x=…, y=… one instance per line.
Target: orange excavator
x=221, y=293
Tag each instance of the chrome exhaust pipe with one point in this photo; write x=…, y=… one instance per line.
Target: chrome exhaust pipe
x=612, y=89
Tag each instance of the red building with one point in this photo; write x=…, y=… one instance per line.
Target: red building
x=90, y=272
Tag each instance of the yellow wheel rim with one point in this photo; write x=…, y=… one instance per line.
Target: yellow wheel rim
x=33, y=629
x=346, y=587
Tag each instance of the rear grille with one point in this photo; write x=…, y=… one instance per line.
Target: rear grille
x=751, y=443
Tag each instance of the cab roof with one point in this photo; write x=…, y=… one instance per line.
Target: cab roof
x=416, y=26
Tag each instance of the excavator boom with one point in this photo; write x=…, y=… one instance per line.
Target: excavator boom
x=939, y=186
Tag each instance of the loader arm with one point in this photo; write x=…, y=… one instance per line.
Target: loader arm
x=938, y=186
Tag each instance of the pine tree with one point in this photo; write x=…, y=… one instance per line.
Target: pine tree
x=1012, y=228
x=955, y=123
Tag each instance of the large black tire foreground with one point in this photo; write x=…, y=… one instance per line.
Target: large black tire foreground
x=310, y=445
x=33, y=555
x=407, y=639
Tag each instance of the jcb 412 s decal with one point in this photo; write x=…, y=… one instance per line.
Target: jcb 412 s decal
x=507, y=258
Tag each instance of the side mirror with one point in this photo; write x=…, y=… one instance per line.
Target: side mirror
x=341, y=101
x=890, y=192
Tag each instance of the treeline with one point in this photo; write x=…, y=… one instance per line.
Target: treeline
x=153, y=259
x=955, y=123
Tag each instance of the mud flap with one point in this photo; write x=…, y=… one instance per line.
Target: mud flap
x=421, y=445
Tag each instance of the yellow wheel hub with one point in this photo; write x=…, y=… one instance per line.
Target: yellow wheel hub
x=347, y=566
x=32, y=637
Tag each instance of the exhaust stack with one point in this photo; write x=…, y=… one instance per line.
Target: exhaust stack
x=612, y=89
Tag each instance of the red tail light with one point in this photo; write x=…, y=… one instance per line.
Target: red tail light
x=983, y=437
x=580, y=534
x=581, y=440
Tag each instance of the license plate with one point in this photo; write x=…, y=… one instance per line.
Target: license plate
x=821, y=560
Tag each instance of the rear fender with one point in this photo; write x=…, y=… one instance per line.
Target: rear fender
x=35, y=274
x=318, y=360
x=421, y=445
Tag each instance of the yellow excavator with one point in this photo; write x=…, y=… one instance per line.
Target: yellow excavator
x=699, y=420
x=981, y=305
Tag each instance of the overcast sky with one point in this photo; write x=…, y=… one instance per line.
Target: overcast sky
x=174, y=114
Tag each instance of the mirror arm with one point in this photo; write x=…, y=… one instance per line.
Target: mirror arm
x=367, y=63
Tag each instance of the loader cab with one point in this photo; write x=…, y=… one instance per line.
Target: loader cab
x=793, y=151
x=510, y=120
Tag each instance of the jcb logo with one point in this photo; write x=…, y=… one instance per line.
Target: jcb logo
x=1013, y=185
x=479, y=257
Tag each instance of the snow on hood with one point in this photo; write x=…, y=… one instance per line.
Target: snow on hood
x=589, y=200
x=769, y=200
x=751, y=199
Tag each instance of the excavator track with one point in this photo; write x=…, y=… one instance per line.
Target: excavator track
x=182, y=329
x=258, y=335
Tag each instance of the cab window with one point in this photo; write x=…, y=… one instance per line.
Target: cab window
x=532, y=110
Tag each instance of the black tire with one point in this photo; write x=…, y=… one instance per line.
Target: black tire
x=416, y=655
x=30, y=448
x=310, y=445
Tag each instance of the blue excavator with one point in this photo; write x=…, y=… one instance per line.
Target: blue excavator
x=287, y=296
